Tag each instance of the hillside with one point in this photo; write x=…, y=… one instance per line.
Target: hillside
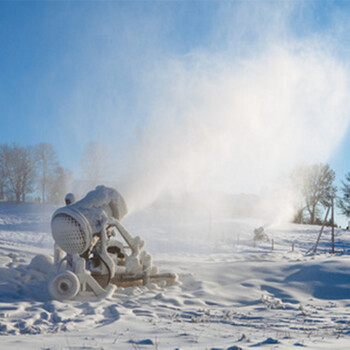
x=229, y=294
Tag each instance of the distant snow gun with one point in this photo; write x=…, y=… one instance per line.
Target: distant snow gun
x=260, y=235
x=94, y=252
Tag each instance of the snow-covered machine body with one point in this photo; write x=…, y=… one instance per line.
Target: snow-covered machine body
x=88, y=255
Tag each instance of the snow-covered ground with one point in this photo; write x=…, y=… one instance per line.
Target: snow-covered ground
x=229, y=294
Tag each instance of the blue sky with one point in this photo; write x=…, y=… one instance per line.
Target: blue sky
x=72, y=72
x=65, y=63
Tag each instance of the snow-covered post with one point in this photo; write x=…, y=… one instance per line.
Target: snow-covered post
x=319, y=236
x=332, y=225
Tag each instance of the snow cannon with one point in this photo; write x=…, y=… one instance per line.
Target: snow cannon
x=94, y=252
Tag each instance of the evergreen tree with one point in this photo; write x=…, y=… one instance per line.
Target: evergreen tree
x=344, y=200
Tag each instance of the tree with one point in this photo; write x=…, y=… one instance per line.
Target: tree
x=12, y=163
x=3, y=176
x=28, y=170
x=344, y=200
x=318, y=188
x=313, y=187
x=297, y=183
x=19, y=166
x=47, y=164
x=59, y=184
x=95, y=162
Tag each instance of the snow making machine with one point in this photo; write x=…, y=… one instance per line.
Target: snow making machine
x=94, y=252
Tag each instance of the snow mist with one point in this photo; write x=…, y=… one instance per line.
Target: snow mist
x=231, y=111
x=237, y=125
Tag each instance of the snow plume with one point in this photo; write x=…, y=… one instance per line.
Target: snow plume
x=228, y=103
x=237, y=125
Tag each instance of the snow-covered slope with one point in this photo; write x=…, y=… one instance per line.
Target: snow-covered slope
x=230, y=294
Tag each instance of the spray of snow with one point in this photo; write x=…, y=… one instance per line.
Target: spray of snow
x=236, y=126
x=231, y=111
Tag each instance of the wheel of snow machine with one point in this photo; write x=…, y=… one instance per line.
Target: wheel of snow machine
x=65, y=285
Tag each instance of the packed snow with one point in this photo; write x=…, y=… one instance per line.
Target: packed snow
x=231, y=293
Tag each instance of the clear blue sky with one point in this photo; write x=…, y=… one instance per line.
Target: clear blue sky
x=65, y=65
x=67, y=69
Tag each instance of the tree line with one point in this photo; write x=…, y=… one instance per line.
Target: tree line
x=35, y=171
x=28, y=170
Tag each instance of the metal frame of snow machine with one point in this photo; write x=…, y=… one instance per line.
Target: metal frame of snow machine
x=89, y=258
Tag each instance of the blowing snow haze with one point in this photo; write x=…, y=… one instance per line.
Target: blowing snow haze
x=237, y=118
x=237, y=126
x=236, y=114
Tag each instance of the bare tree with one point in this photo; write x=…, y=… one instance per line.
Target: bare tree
x=318, y=188
x=59, y=184
x=47, y=164
x=297, y=182
x=95, y=162
x=19, y=165
x=313, y=188
x=12, y=156
x=3, y=176
x=28, y=170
